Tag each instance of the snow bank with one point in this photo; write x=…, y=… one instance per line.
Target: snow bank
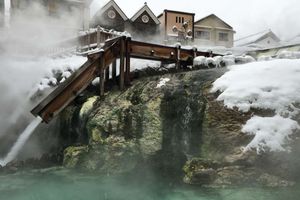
x=271, y=85
x=270, y=133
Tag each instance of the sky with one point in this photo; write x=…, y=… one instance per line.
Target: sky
x=246, y=17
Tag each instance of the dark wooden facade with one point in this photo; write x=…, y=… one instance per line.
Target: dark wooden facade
x=144, y=23
x=102, y=19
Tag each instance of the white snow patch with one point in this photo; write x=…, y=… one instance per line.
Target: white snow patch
x=200, y=60
x=271, y=133
x=273, y=85
x=162, y=82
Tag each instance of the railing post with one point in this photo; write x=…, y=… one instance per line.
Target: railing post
x=195, y=50
x=98, y=36
x=107, y=74
x=101, y=71
x=114, y=71
x=127, y=76
x=88, y=39
x=122, y=58
x=178, y=47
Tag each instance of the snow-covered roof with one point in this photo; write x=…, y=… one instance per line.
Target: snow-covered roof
x=295, y=40
x=97, y=7
x=251, y=39
x=148, y=10
x=214, y=16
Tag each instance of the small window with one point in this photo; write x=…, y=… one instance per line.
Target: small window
x=179, y=20
x=176, y=19
x=223, y=37
x=182, y=20
x=205, y=35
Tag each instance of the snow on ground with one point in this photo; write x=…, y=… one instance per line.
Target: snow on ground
x=162, y=82
x=138, y=64
x=271, y=85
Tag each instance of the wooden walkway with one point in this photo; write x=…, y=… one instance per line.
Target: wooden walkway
x=98, y=63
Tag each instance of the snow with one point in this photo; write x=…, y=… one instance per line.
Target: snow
x=273, y=85
x=227, y=60
x=270, y=133
x=53, y=66
x=200, y=60
x=138, y=64
x=162, y=82
x=251, y=39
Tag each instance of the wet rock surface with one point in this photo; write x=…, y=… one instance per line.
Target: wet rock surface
x=178, y=130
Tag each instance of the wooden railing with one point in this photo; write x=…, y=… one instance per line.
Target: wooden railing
x=98, y=63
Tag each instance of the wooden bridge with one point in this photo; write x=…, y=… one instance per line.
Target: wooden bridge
x=97, y=65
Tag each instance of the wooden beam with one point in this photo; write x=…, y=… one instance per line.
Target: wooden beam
x=178, y=58
x=107, y=73
x=122, y=62
x=67, y=91
x=114, y=71
x=98, y=36
x=127, y=75
x=101, y=70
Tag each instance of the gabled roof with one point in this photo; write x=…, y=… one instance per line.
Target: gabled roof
x=113, y=4
x=142, y=10
x=256, y=37
x=215, y=16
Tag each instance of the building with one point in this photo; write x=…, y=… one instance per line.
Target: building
x=143, y=24
x=2, y=13
x=263, y=39
x=110, y=16
x=176, y=25
x=213, y=31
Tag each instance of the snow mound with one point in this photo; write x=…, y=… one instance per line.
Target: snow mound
x=226, y=60
x=270, y=133
x=273, y=85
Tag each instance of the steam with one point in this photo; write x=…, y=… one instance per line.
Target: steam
x=25, y=46
x=21, y=141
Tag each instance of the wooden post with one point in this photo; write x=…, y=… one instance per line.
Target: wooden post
x=122, y=58
x=107, y=73
x=127, y=75
x=114, y=71
x=88, y=39
x=102, y=64
x=195, y=52
x=178, y=47
x=98, y=36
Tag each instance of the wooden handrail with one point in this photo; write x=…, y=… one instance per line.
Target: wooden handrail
x=98, y=63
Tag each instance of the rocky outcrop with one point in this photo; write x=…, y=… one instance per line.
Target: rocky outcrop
x=178, y=130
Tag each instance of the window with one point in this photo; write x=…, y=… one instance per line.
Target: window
x=182, y=20
x=111, y=14
x=223, y=36
x=179, y=20
x=145, y=19
x=176, y=19
x=205, y=35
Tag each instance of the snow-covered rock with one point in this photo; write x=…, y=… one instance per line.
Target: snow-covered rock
x=273, y=85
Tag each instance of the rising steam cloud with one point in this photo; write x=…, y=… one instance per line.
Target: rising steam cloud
x=24, y=59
